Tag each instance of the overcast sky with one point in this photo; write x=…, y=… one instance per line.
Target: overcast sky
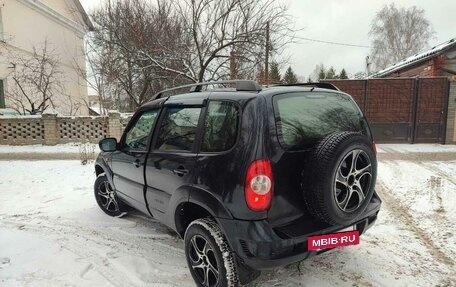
x=346, y=21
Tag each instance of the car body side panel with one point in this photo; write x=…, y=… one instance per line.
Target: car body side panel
x=128, y=178
x=99, y=162
x=209, y=201
x=163, y=182
x=223, y=173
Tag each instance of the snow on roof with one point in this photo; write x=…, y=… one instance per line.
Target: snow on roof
x=97, y=109
x=416, y=58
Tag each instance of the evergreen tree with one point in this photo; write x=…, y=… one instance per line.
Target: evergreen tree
x=274, y=74
x=343, y=74
x=322, y=73
x=319, y=73
x=290, y=76
x=331, y=73
x=260, y=76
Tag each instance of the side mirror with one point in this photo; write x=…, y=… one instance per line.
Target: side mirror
x=108, y=144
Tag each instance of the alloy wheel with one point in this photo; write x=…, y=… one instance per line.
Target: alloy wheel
x=353, y=180
x=203, y=261
x=108, y=197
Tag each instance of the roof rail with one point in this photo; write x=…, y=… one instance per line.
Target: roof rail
x=322, y=85
x=241, y=85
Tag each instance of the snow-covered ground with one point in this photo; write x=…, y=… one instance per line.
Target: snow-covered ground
x=415, y=148
x=53, y=234
x=67, y=151
x=50, y=149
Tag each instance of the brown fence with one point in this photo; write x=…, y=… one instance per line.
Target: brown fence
x=412, y=110
x=52, y=129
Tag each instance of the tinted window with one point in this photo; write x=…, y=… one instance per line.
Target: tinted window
x=220, y=128
x=305, y=117
x=139, y=133
x=178, y=129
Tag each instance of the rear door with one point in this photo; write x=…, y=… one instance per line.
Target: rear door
x=171, y=161
x=301, y=120
x=128, y=162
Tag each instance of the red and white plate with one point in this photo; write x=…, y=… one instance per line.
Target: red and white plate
x=344, y=237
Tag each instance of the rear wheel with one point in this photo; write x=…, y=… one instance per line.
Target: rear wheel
x=107, y=198
x=339, y=181
x=209, y=258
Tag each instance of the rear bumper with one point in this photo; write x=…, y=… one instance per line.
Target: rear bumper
x=261, y=246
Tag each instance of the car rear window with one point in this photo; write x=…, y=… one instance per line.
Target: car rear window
x=221, y=126
x=303, y=118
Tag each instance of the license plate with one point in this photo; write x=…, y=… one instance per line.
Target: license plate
x=344, y=237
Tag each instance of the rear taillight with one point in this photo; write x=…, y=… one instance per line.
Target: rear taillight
x=259, y=183
x=374, y=148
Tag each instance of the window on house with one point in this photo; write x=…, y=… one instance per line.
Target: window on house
x=2, y=95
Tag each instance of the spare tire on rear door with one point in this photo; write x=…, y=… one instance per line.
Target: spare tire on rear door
x=339, y=180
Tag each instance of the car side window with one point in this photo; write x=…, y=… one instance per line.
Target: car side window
x=178, y=128
x=220, y=128
x=138, y=135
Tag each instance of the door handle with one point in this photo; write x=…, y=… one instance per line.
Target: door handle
x=137, y=163
x=180, y=171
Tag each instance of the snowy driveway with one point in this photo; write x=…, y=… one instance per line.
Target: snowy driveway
x=52, y=233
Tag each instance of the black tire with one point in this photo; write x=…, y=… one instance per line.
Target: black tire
x=107, y=199
x=335, y=192
x=208, y=255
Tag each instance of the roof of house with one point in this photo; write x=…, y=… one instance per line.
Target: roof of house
x=98, y=110
x=417, y=58
x=84, y=15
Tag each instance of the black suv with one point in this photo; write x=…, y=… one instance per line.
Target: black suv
x=245, y=175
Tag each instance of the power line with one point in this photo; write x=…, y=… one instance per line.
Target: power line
x=332, y=43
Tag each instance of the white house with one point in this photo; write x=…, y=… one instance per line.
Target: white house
x=61, y=24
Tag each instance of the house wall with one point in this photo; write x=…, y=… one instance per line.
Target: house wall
x=451, y=117
x=450, y=63
x=430, y=68
x=425, y=69
x=28, y=23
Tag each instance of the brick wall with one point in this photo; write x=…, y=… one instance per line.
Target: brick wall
x=451, y=119
x=51, y=129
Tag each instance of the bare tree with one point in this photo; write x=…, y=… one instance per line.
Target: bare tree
x=37, y=78
x=219, y=27
x=398, y=33
x=150, y=45
x=126, y=34
x=96, y=73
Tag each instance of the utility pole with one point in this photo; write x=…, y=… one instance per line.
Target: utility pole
x=233, y=65
x=368, y=64
x=266, y=64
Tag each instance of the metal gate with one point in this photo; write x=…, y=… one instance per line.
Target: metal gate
x=389, y=109
x=431, y=114
x=407, y=110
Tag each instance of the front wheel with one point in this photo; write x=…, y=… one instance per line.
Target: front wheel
x=107, y=198
x=209, y=258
